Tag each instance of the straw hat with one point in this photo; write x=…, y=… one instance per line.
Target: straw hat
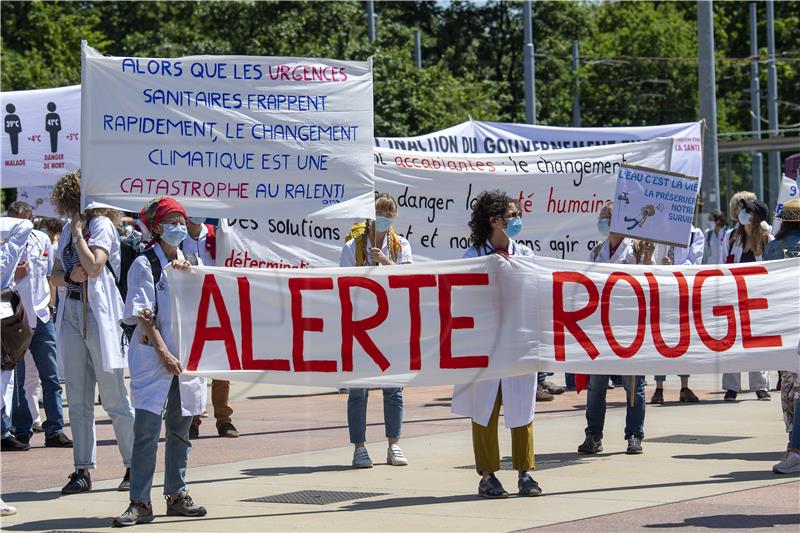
x=790, y=211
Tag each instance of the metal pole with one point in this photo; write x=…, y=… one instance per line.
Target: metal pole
x=576, y=100
x=774, y=157
x=371, y=20
x=708, y=104
x=529, y=67
x=417, y=49
x=755, y=104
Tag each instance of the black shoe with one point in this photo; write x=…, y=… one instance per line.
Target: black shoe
x=137, y=513
x=183, y=505
x=658, y=396
x=226, y=429
x=552, y=388
x=79, y=481
x=591, y=445
x=125, y=484
x=688, y=396
x=730, y=396
x=634, y=445
x=490, y=487
x=59, y=440
x=527, y=486
x=194, y=431
x=24, y=439
x=763, y=395
x=12, y=444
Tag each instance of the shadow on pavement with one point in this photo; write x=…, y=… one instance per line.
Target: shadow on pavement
x=62, y=524
x=293, y=470
x=733, y=521
x=740, y=456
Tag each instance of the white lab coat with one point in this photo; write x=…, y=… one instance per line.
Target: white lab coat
x=714, y=240
x=476, y=400
x=150, y=380
x=692, y=255
x=104, y=300
x=737, y=248
x=198, y=247
x=34, y=289
x=624, y=254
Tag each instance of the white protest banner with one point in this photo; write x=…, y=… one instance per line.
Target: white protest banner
x=560, y=193
x=41, y=135
x=465, y=320
x=39, y=199
x=478, y=137
x=654, y=205
x=229, y=134
x=789, y=191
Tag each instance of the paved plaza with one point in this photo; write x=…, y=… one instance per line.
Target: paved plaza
x=705, y=466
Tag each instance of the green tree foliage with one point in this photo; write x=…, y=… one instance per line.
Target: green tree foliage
x=638, y=59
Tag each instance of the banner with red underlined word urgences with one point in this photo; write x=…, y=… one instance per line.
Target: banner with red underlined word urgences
x=228, y=134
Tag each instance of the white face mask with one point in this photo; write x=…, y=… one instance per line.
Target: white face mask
x=710, y=224
x=604, y=226
x=744, y=217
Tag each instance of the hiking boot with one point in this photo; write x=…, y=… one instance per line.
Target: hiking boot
x=730, y=396
x=542, y=395
x=591, y=445
x=552, y=388
x=490, y=487
x=395, y=457
x=226, y=429
x=59, y=440
x=137, y=513
x=658, y=396
x=763, y=395
x=79, y=481
x=184, y=506
x=688, y=396
x=125, y=484
x=194, y=431
x=528, y=486
x=361, y=458
x=634, y=445
x=12, y=444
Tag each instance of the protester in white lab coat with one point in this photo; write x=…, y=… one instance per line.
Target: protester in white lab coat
x=88, y=332
x=496, y=219
x=715, y=233
x=620, y=250
x=734, y=208
x=156, y=372
x=673, y=255
x=746, y=244
x=34, y=289
x=360, y=251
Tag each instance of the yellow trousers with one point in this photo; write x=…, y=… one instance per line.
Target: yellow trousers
x=487, y=448
x=220, y=392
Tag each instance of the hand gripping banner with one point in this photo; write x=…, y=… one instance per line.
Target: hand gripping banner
x=461, y=321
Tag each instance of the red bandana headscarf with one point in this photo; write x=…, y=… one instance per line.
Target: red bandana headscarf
x=157, y=209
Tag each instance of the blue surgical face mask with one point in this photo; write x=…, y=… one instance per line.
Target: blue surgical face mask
x=513, y=227
x=604, y=226
x=744, y=217
x=383, y=223
x=174, y=234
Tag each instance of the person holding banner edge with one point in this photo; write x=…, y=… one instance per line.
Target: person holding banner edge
x=496, y=219
x=359, y=250
x=157, y=386
x=621, y=250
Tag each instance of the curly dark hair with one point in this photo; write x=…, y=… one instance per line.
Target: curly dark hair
x=488, y=205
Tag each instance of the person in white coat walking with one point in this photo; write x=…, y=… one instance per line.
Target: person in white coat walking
x=495, y=221
x=158, y=386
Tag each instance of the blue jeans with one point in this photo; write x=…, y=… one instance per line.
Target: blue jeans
x=357, y=413
x=147, y=430
x=662, y=379
x=43, y=350
x=794, y=437
x=596, y=407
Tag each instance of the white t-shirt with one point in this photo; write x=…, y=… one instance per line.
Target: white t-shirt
x=34, y=289
x=348, y=257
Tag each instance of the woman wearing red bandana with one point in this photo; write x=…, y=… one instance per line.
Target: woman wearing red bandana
x=158, y=386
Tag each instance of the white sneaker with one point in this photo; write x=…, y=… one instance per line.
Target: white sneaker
x=790, y=465
x=395, y=457
x=7, y=510
x=361, y=458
